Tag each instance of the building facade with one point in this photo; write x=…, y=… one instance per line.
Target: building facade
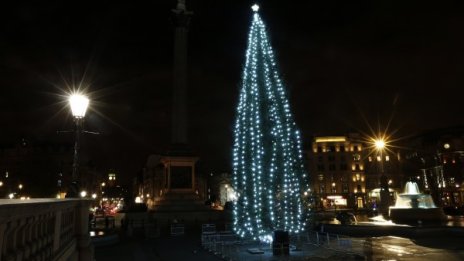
x=435, y=160
x=338, y=178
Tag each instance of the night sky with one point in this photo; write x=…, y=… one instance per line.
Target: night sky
x=347, y=65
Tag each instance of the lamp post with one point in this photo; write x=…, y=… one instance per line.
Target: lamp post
x=379, y=145
x=78, y=104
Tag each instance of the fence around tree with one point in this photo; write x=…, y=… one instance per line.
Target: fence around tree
x=229, y=246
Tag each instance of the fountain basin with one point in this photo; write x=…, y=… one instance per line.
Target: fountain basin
x=414, y=215
x=413, y=206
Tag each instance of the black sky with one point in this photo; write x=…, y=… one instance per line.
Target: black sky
x=342, y=61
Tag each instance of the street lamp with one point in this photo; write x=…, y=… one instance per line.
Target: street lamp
x=78, y=103
x=380, y=145
x=20, y=186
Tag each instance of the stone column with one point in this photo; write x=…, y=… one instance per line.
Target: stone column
x=84, y=246
x=56, y=239
x=181, y=19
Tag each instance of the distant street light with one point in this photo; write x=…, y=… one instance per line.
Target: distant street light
x=379, y=144
x=79, y=104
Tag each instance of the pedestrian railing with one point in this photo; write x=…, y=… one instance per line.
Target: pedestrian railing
x=177, y=229
x=337, y=242
x=208, y=229
x=231, y=247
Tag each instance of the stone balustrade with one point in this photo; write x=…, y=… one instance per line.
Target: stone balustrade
x=45, y=229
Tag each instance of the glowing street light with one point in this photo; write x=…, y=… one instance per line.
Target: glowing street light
x=83, y=194
x=78, y=103
x=379, y=144
x=20, y=187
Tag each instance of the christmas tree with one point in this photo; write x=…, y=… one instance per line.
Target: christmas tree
x=268, y=172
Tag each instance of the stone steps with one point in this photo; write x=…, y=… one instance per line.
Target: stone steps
x=179, y=201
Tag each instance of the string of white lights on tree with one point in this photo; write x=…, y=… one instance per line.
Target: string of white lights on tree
x=268, y=172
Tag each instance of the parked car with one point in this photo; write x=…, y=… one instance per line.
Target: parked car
x=346, y=218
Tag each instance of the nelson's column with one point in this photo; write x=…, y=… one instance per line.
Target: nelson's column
x=172, y=178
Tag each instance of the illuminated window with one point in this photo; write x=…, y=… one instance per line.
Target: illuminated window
x=320, y=177
x=378, y=158
x=387, y=158
x=370, y=159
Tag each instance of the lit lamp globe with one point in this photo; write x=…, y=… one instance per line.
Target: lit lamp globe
x=379, y=144
x=79, y=104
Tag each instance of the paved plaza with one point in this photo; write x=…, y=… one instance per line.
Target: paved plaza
x=188, y=247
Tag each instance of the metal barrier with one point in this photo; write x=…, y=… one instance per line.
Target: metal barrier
x=229, y=246
x=208, y=229
x=338, y=242
x=177, y=229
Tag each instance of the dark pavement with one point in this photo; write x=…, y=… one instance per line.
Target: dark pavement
x=162, y=249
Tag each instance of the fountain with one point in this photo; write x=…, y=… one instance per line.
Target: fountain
x=413, y=206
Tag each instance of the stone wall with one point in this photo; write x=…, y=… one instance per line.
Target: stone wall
x=45, y=229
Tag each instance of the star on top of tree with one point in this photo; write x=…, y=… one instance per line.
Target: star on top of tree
x=255, y=8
